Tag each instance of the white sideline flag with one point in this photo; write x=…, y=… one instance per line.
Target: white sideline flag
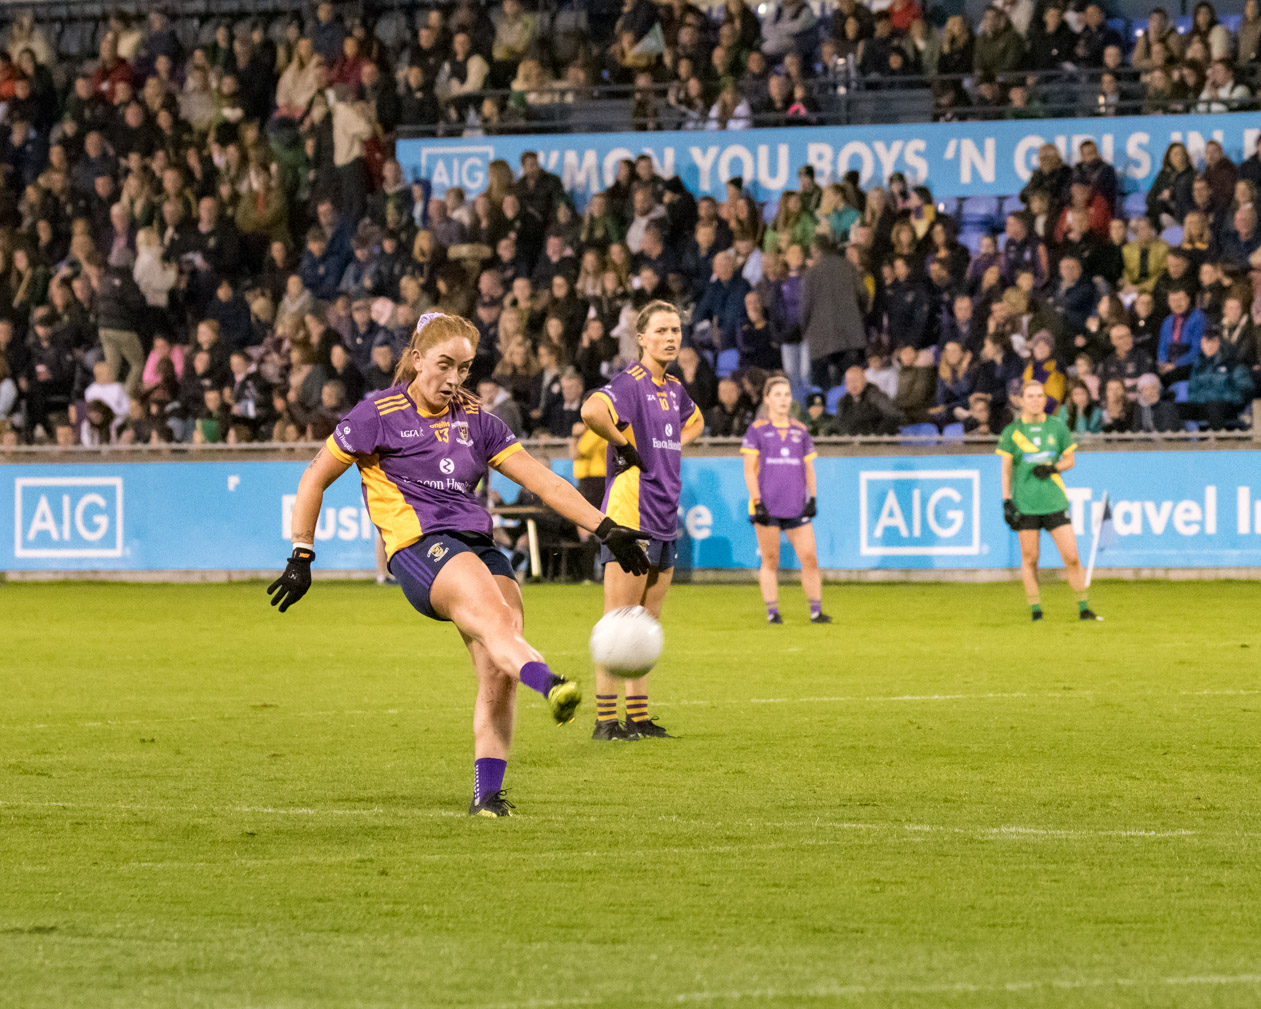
x=1105, y=536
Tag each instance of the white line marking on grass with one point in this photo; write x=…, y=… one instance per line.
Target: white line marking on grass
x=911, y=697
x=1218, y=693
x=1006, y=831
x=859, y=991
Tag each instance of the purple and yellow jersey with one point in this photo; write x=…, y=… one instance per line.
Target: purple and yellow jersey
x=420, y=472
x=652, y=415
x=782, y=453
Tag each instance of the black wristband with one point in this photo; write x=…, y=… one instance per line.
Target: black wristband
x=604, y=528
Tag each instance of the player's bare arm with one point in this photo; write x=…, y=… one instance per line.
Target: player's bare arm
x=563, y=498
x=318, y=477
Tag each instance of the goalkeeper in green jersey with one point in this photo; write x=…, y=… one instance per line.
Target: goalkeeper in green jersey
x=1036, y=449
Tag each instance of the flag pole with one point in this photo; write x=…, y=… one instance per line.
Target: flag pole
x=1097, y=528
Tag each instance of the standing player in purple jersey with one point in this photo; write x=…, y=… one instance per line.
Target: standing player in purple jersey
x=647, y=417
x=779, y=472
x=422, y=446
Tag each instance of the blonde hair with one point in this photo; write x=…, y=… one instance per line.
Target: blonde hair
x=773, y=381
x=649, y=310
x=432, y=328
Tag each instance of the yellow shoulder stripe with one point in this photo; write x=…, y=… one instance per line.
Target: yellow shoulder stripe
x=1023, y=443
x=612, y=409
x=999, y=451
x=512, y=449
x=337, y=452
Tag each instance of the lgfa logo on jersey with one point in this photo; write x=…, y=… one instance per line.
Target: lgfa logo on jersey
x=920, y=513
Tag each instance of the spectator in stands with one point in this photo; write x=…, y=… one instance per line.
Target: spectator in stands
x=1145, y=258
x=1150, y=414
x=1219, y=384
x=1222, y=93
x=719, y=313
x=1126, y=363
x=832, y=309
x=1117, y=412
x=864, y=409
x=1169, y=198
x=1080, y=413
x=1052, y=176
x=1180, y=336
x=999, y=47
x=1240, y=241
x=732, y=414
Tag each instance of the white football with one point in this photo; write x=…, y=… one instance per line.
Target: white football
x=627, y=641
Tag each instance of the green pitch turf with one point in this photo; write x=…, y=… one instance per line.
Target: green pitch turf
x=930, y=803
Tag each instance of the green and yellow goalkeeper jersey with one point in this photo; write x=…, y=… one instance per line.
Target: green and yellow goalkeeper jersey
x=1045, y=439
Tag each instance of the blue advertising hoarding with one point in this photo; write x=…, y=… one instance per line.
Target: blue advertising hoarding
x=954, y=159
x=1172, y=509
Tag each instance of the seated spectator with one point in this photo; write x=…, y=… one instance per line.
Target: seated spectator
x=1169, y=198
x=1080, y=413
x=1151, y=414
x=955, y=383
x=1241, y=240
x=1073, y=297
x=106, y=388
x=380, y=373
x=1044, y=368
x=1219, y=386
x=497, y=400
x=1117, y=411
x=1125, y=364
x=719, y=313
x=864, y=409
x=1145, y=257
x=564, y=413
x=731, y=416
x=1222, y=93
x=1180, y=334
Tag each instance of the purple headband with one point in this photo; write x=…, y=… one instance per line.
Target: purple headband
x=427, y=318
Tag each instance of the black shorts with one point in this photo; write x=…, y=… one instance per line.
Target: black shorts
x=793, y=523
x=1048, y=522
x=661, y=554
x=416, y=566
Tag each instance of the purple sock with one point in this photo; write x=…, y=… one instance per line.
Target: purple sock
x=488, y=776
x=772, y=609
x=816, y=607
x=537, y=676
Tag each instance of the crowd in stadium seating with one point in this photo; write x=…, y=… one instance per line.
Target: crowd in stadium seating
x=212, y=243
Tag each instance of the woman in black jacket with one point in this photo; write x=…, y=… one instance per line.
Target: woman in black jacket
x=1171, y=189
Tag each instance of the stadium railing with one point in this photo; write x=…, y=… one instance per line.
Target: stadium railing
x=552, y=447
x=839, y=101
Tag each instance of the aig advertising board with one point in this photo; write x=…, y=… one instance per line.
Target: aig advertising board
x=954, y=159
x=1183, y=509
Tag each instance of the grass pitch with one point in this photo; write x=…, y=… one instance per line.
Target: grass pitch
x=931, y=803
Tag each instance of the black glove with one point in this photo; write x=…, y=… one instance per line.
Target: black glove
x=811, y=509
x=623, y=543
x=293, y=584
x=627, y=458
x=1045, y=471
x=1010, y=515
x=760, y=514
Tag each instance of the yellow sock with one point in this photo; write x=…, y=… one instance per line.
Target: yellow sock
x=636, y=707
x=606, y=707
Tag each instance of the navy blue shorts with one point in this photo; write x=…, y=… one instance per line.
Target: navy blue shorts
x=416, y=566
x=793, y=523
x=661, y=554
